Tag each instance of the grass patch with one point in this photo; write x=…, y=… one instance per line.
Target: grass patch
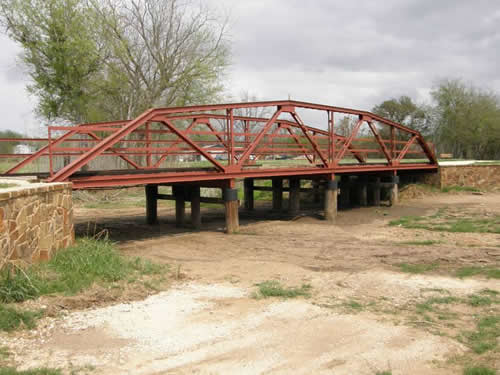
x=273, y=288
x=475, y=300
x=353, y=306
x=457, y=188
x=479, y=370
x=12, y=318
x=489, y=272
x=70, y=271
x=485, y=337
x=446, y=221
x=417, y=268
x=5, y=186
x=383, y=373
x=421, y=243
x=38, y=371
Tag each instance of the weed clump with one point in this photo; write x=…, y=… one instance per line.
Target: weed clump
x=70, y=271
x=273, y=288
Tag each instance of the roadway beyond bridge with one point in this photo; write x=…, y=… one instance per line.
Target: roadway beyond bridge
x=357, y=153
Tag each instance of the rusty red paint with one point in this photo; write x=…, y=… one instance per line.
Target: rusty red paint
x=271, y=136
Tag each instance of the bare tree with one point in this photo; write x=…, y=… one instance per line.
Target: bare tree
x=162, y=53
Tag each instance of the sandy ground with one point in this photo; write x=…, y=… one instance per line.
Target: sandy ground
x=209, y=322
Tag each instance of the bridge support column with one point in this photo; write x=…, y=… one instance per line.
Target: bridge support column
x=294, y=196
x=180, y=205
x=277, y=193
x=195, y=207
x=375, y=192
x=151, y=204
x=345, y=192
x=394, y=191
x=331, y=193
x=362, y=192
x=248, y=184
x=316, y=191
x=231, y=206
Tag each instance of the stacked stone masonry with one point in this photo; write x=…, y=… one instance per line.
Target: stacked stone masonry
x=478, y=176
x=35, y=221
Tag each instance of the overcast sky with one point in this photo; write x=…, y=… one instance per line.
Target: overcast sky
x=346, y=53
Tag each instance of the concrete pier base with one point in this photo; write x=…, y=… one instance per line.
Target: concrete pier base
x=331, y=194
x=394, y=191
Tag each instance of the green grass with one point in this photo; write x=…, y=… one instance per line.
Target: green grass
x=479, y=370
x=457, y=188
x=273, y=288
x=70, y=271
x=485, y=337
x=445, y=223
x=383, y=373
x=417, y=268
x=468, y=271
x=38, y=371
x=353, y=306
x=12, y=318
x=421, y=243
x=475, y=300
x=5, y=186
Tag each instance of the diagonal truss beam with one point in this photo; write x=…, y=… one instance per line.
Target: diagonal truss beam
x=258, y=138
x=405, y=149
x=348, y=141
x=174, y=145
x=311, y=140
x=186, y=139
x=380, y=141
x=42, y=151
x=297, y=141
x=102, y=146
x=121, y=156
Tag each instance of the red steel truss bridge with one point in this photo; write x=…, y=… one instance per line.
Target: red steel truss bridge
x=216, y=144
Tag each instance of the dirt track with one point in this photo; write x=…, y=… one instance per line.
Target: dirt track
x=208, y=322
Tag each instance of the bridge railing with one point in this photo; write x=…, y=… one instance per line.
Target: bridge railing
x=226, y=138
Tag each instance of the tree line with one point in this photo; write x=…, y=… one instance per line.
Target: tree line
x=461, y=119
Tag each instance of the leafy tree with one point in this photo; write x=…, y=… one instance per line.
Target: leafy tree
x=8, y=147
x=467, y=120
x=404, y=111
x=60, y=52
x=95, y=60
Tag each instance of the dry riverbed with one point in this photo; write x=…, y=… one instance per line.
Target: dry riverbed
x=379, y=297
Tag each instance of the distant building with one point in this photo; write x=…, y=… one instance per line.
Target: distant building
x=23, y=149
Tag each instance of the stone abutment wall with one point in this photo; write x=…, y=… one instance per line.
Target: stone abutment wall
x=35, y=221
x=479, y=176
